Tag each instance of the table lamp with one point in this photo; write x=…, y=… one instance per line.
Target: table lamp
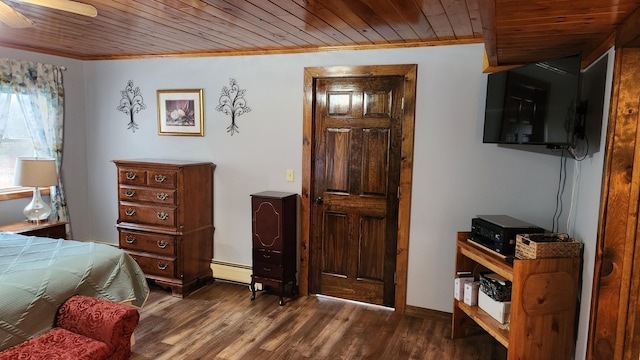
x=36, y=173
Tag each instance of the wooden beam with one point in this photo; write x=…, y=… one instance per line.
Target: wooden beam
x=488, y=68
x=628, y=33
x=487, y=9
x=589, y=56
x=613, y=294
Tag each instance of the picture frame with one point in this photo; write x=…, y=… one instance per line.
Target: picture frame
x=180, y=112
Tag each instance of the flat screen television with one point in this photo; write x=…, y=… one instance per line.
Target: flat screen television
x=535, y=104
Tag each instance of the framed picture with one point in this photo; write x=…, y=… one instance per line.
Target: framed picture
x=180, y=112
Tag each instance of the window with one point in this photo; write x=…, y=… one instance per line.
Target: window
x=15, y=142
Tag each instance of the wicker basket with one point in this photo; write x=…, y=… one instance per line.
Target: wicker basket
x=528, y=248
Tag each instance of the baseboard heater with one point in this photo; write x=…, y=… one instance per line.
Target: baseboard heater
x=230, y=271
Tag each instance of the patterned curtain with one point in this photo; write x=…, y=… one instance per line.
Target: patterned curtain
x=5, y=103
x=44, y=110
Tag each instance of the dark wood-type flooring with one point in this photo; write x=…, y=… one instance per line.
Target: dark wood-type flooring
x=219, y=321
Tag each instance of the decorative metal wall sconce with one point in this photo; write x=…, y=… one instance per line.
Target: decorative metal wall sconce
x=232, y=103
x=131, y=103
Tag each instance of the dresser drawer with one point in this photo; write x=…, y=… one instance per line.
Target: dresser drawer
x=148, y=242
x=268, y=257
x=160, y=196
x=271, y=271
x=161, y=178
x=132, y=176
x=155, y=215
x=156, y=266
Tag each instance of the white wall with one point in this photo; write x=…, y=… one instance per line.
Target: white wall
x=587, y=212
x=455, y=176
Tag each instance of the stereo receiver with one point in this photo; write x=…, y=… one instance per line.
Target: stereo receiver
x=498, y=232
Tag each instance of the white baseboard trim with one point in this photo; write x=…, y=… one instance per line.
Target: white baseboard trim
x=231, y=271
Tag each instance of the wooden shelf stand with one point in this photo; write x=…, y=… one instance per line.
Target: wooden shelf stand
x=543, y=303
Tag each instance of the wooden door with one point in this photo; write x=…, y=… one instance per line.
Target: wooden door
x=358, y=127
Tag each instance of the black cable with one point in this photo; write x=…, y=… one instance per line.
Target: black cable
x=562, y=180
x=572, y=151
x=564, y=185
x=586, y=152
x=553, y=224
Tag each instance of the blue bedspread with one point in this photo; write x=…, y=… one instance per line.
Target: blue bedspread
x=38, y=274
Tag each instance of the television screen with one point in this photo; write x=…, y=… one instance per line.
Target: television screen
x=534, y=103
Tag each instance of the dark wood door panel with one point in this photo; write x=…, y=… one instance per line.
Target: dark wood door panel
x=335, y=260
x=342, y=103
x=375, y=162
x=353, y=289
x=371, y=248
x=336, y=172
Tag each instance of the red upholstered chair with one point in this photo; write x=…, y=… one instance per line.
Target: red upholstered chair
x=86, y=328
x=105, y=321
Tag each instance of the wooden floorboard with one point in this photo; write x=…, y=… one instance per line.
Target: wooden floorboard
x=219, y=322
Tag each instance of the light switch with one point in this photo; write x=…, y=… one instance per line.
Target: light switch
x=290, y=175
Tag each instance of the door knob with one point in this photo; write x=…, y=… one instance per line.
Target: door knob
x=318, y=200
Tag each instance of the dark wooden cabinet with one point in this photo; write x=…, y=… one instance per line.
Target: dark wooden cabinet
x=274, y=233
x=165, y=220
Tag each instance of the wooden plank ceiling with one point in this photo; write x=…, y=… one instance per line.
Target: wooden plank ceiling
x=514, y=31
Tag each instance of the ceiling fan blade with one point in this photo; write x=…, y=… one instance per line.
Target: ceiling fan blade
x=13, y=18
x=66, y=5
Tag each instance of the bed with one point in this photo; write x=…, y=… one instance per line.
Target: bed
x=38, y=274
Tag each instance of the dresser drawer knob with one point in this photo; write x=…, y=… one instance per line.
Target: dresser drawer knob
x=130, y=212
x=129, y=193
x=162, y=196
x=162, y=266
x=162, y=244
x=160, y=178
x=130, y=239
x=266, y=256
x=162, y=216
x=266, y=269
x=131, y=175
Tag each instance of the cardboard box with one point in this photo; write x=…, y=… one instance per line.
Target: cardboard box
x=458, y=286
x=498, y=310
x=471, y=293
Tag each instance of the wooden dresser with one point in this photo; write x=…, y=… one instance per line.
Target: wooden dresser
x=165, y=220
x=274, y=240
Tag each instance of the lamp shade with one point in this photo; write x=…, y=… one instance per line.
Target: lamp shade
x=35, y=172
